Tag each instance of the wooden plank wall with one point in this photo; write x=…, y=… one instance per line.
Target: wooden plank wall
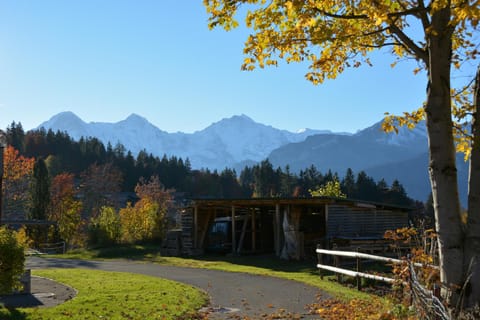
x=354, y=222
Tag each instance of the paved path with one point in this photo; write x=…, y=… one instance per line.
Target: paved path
x=232, y=295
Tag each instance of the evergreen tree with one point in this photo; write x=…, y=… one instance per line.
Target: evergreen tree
x=348, y=184
x=366, y=187
x=39, y=191
x=16, y=136
x=247, y=181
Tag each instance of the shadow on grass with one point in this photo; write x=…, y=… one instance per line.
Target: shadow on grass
x=151, y=253
x=144, y=252
x=12, y=314
x=267, y=261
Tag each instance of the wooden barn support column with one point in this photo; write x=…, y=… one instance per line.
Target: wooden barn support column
x=254, y=232
x=195, y=227
x=242, y=235
x=234, y=231
x=206, y=223
x=277, y=229
x=326, y=242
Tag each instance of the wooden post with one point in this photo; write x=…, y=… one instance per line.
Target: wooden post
x=234, y=240
x=195, y=227
x=206, y=223
x=242, y=235
x=254, y=232
x=320, y=260
x=359, y=280
x=326, y=221
x=277, y=230
x=336, y=262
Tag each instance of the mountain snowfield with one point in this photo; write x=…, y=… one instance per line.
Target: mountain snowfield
x=239, y=140
x=222, y=144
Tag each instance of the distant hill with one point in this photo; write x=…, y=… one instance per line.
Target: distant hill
x=367, y=148
x=391, y=156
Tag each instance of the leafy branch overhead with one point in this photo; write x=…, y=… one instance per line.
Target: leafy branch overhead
x=334, y=35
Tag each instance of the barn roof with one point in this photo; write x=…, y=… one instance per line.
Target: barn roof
x=311, y=201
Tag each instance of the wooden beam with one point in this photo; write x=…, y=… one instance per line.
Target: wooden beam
x=355, y=274
x=326, y=222
x=254, y=232
x=242, y=236
x=205, y=228
x=277, y=230
x=234, y=240
x=352, y=254
x=195, y=227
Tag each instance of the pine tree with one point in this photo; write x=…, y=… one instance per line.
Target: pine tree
x=39, y=191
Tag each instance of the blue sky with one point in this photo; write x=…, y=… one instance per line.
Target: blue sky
x=106, y=59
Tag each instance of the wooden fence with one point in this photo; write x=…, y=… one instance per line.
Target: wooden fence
x=354, y=255
x=358, y=256
x=424, y=300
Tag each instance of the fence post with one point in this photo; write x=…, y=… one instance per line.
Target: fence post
x=320, y=260
x=359, y=281
x=64, y=247
x=336, y=262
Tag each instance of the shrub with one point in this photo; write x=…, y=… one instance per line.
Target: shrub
x=12, y=260
x=139, y=221
x=105, y=229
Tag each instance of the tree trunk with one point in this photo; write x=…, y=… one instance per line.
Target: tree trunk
x=442, y=166
x=472, y=237
x=290, y=248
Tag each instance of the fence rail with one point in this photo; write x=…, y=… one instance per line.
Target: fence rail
x=54, y=247
x=360, y=255
x=424, y=299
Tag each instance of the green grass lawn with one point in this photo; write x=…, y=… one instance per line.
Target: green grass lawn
x=115, y=295
x=303, y=271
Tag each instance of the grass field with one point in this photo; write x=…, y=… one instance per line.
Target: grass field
x=303, y=271
x=115, y=295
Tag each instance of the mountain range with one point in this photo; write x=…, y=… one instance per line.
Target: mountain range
x=238, y=141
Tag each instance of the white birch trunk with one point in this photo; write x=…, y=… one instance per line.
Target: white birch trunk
x=442, y=166
x=472, y=237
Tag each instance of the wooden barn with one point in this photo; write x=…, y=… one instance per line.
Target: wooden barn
x=289, y=227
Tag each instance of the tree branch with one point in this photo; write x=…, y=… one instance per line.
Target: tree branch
x=382, y=45
x=342, y=16
x=423, y=15
x=412, y=11
x=409, y=43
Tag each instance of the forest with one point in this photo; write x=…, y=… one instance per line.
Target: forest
x=50, y=176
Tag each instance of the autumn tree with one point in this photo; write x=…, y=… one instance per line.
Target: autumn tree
x=105, y=229
x=330, y=189
x=17, y=175
x=334, y=35
x=65, y=209
x=152, y=191
x=99, y=184
x=139, y=221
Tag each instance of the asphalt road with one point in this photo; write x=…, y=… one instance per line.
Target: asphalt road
x=232, y=295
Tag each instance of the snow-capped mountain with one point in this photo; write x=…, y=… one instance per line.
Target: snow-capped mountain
x=238, y=141
x=222, y=144
x=367, y=148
